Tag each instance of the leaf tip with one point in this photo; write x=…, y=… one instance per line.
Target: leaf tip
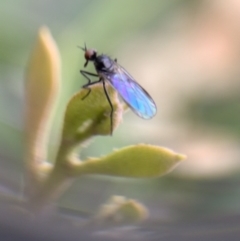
x=181, y=157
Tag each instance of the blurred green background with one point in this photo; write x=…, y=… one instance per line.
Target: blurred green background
x=184, y=53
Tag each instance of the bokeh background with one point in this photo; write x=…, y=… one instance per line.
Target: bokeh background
x=186, y=54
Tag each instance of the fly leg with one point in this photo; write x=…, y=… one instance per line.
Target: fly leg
x=111, y=106
x=86, y=86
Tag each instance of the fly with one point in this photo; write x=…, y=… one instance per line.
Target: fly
x=131, y=92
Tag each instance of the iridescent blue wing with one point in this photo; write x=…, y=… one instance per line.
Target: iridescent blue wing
x=131, y=92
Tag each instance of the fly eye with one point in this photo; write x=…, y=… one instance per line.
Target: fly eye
x=90, y=54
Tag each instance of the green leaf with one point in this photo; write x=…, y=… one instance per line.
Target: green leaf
x=89, y=116
x=140, y=161
x=41, y=89
x=120, y=211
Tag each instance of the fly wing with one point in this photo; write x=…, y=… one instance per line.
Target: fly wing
x=132, y=93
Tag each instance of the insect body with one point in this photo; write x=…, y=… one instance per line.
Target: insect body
x=132, y=93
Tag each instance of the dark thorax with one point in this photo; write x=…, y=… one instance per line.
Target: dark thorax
x=104, y=64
